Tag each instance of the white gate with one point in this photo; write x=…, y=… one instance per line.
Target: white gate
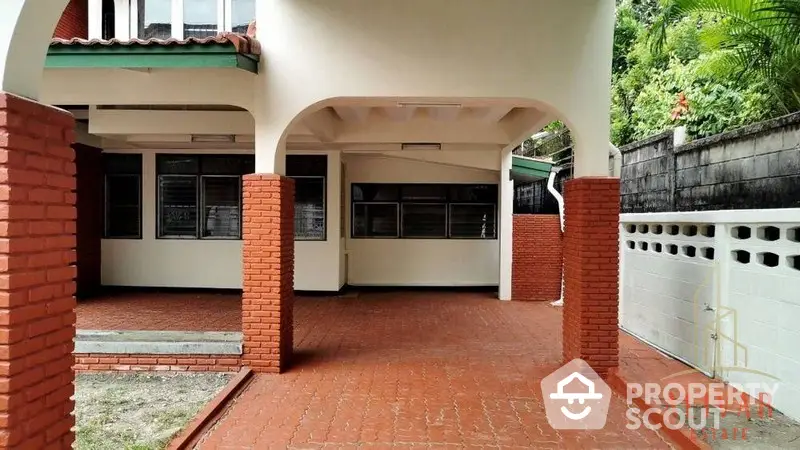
x=668, y=292
x=719, y=290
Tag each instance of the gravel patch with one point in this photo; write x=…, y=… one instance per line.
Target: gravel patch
x=139, y=411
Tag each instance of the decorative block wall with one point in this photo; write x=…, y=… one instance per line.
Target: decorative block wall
x=268, y=271
x=37, y=275
x=537, y=260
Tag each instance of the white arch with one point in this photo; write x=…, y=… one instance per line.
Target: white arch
x=558, y=52
x=26, y=28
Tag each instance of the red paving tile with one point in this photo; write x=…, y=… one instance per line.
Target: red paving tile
x=414, y=370
x=640, y=363
x=161, y=311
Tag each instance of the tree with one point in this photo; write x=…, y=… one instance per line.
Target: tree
x=672, y=82
x=752, y=40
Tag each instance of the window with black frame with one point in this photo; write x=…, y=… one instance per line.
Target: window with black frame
x=200, y=196
x=123, y=196
x=424, y=211
x=309, y=174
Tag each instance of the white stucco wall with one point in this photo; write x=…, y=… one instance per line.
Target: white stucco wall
x=213, y=263
x=417, y=262
x=317, y=265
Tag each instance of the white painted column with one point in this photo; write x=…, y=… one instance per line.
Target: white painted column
x=95, y=14
x=26, y=29
x=506, y=223
x=270, y=151
x=122, y=20
x=177, y=19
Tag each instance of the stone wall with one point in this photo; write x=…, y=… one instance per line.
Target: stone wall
x=647, y=180
x=754, y=167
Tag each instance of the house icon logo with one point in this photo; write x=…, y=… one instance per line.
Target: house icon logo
x=575, y=397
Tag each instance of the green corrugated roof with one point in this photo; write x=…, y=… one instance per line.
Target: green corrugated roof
x=528, y=168
x=221, y=51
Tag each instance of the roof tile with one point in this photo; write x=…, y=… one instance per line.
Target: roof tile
x=244, y=44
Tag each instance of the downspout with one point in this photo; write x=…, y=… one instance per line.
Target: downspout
x=617, y=171
x=560, y=200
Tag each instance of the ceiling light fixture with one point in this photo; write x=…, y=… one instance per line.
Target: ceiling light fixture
x=428, y=105
x=420, y=146
x=214, y=138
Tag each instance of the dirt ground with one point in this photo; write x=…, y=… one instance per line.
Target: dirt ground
x=138, y=411
x=738, y=431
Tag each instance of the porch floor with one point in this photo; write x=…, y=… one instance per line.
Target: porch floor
x=161, y=311
x=414, y=369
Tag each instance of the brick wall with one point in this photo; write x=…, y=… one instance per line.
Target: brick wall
x=268, y=271
x=537, y=261
x=74, y=22
x=104, y=362
x=591, y=272
x=37, y=256
x=89, y=175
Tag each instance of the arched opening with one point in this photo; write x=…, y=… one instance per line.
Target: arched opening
x=397, y=210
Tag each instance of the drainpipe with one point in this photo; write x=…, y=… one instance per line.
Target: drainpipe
x=560, y=200
x=617, y=171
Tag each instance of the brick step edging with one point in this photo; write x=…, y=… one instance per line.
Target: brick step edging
x=125, y=362
x=212, y=412
x=682, y=437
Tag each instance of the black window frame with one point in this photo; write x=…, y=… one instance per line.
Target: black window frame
x=310, y=167
x=134, y=172
x=399, y=196
x=247, y=165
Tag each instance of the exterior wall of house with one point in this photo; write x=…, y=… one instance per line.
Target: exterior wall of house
x=417, y=262
x=74, y=22
x=202, y=263
x=318, y=263
x=538, y=257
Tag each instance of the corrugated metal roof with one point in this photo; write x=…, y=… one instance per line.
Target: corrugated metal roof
x=244, y=44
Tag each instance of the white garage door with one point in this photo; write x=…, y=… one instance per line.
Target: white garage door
x=668, y=293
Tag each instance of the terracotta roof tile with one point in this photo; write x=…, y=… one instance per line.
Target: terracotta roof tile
x=244, y=44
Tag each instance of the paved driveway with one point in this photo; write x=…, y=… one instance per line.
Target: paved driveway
x=409, y=369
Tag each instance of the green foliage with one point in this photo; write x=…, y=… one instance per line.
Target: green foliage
x=733, y=60
x=714, y=105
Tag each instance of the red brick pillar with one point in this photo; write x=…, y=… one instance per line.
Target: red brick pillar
x=37, y=254
x=268, y=285
x=538, y=257
x=591, y=260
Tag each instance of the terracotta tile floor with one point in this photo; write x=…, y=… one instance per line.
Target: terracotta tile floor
x=162, y=311
x=414, y=370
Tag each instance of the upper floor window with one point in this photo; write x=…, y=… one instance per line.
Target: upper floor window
x=182, y=19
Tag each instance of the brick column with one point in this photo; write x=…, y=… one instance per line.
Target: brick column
x=591, y=259
x=37, y=255
x=268, y=285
